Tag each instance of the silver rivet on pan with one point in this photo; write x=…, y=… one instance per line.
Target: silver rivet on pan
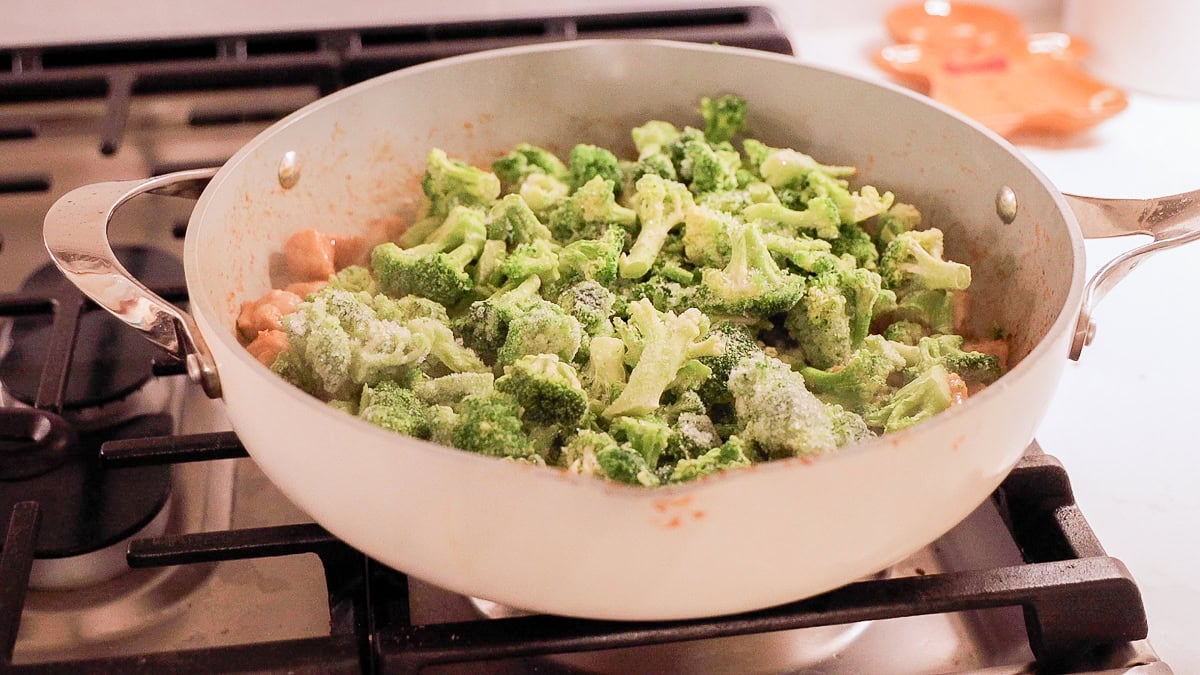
x=1006, y=204
x=289, y=170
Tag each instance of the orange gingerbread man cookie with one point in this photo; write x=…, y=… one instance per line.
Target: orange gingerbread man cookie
x=979, y=60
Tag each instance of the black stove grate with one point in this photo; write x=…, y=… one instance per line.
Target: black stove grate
x=1076, y=600
x=329, y=59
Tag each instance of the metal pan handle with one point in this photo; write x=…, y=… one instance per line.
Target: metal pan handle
x=76, y=235
x=1172, y=221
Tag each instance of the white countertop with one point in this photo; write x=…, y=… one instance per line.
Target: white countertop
x=1121, y=421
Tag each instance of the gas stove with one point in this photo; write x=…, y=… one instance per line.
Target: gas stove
x=137, y=536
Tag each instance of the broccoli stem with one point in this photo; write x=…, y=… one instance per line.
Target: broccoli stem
x=641, y=256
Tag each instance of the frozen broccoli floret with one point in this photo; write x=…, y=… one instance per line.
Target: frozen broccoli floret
x=543, y=329
x=449, y=183
x=485, y=325
x=692, y=435
x=647, y=434
x=450, y=390
x=932, y=309
x=820, y=323
x=407, y=308
x=512, y=221
x=683, y=402
x=491, y=425
x=427, y=318
x=707, y=168
x=730, y=455
x=834, y=316
x=799, y=179
x=863, y=380
x=914, y=261
x=579, y=453
x=667, y=341
x=291, y=366
x=675, y=150
x=437, y=268
x=661, y=206
x=590, y=303
x=589, y=211
x=854, y=241
x=751, y=284
x=777, y=412
x=798, y=183
x=848, y=427
x=395, y=408
x=707, y=236
x=730, y=202
x=947, y=350
x=855, y=207
x=653, y=136
x=734, y=202
x=624, y=464
x=604, y=376
x=543, y=193
x=594, y=453
x=820, y=218
x=904, y=332
x=589, y=162
x=862, y=289
x=337, y=342
x=592, y=259
x=810, y=255
x=666, y=295
x=547, y=390
x=756, y=153
x=354, y=278
x=539, y=258
x=927, y=395
x=787, y=168
x=739, y=345
x=899, y=218
x=657, y=164
x=526, y=159
x=445, y=347
x=724, y=117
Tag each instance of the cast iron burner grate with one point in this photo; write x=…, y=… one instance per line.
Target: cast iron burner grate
x=329, y=59
x=1076, y=600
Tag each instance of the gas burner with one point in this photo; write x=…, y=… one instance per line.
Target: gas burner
x=106, y=391
x=89, y=513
